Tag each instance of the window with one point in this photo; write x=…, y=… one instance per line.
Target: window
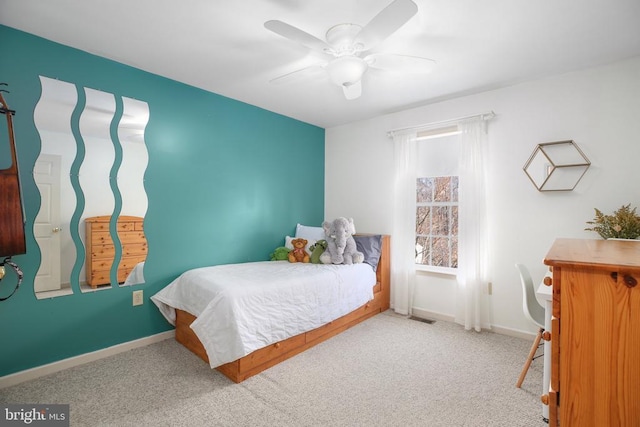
x=437, y=222
x=436, y=234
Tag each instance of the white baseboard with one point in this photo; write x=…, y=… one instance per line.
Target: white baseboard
x=50, y=368
x=426, y=314
x=513, y=332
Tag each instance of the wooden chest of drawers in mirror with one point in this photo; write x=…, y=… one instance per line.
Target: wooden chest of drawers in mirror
x=101, y=250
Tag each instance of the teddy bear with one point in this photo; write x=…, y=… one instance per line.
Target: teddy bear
x=317, y=249
x=341, y=246
x=298, y=254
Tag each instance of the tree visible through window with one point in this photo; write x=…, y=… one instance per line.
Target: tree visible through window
x=437, y=221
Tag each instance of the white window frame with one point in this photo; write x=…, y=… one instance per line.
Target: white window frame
x=432, y=134
x=434, y=268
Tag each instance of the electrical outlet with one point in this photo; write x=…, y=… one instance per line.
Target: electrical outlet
x=490, y=288
x=138, y=297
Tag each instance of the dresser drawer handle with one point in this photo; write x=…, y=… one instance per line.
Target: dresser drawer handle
x=630, y=281
x=548, y=281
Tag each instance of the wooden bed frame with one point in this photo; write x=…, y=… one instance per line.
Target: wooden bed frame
x=264, y=358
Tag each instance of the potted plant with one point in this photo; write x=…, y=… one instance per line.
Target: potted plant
x=624, y=223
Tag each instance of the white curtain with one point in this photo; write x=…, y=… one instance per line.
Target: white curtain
x=404, y=223
x=472, y=303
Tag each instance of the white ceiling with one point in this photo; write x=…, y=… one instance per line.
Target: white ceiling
x=223, y=47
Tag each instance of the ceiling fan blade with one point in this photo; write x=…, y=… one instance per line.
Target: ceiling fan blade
x=296, y=34
x=311, y=71
x=400, y=63
x=352, y=91
x=385, y=23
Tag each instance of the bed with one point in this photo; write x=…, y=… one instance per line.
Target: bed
x=256, y=322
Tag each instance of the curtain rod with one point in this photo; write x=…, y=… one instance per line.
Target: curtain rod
x=483, y=116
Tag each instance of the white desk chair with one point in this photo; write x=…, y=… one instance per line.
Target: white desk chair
x=534, y=312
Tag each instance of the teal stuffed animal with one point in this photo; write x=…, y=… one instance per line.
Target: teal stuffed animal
x=316, y=250
x=280, y=254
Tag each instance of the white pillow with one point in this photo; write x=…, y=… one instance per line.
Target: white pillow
x=310, y=233
x=289, y=245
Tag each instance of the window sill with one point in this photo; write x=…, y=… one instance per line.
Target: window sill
x=440, y=270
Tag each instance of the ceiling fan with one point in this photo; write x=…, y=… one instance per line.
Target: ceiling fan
x=347, y=44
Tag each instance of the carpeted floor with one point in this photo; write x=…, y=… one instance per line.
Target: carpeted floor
x=387, y=371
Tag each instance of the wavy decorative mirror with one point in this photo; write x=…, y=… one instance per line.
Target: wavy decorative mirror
x=90, y=176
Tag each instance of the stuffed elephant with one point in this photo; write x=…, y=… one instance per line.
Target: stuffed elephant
x=341, y=247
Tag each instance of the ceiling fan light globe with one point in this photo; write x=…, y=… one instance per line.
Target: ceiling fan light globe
x=346, y=70
x=352, y=91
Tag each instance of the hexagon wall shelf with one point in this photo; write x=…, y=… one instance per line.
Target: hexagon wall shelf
x=556, y=166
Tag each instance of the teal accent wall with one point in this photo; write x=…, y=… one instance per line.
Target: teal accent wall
x=226, y=182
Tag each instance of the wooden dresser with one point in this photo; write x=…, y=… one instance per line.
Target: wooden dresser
x=595, y=333
x=101, y=250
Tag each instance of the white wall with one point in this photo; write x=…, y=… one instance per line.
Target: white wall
x=598, y=108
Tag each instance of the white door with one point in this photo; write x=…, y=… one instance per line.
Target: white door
x=47, y=225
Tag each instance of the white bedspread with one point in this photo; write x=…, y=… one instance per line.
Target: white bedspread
x=136, y=276
x=243, y=307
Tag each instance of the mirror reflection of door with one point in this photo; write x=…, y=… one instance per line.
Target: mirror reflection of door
x=107, y=176
x=52, y=117
x=47, y=228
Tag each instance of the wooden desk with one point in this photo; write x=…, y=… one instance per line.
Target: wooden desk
x=595, y=328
